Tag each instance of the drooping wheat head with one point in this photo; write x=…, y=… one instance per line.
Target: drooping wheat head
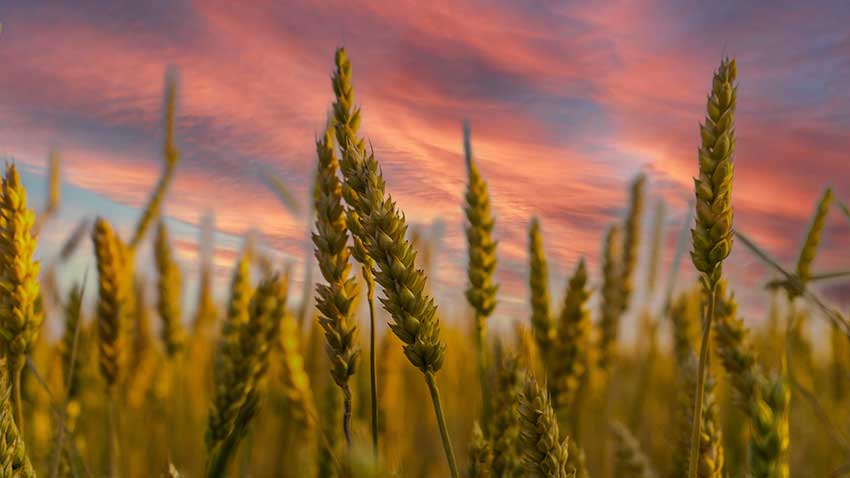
x=573, y=336
x=542, y=323
x=544, y=453
x=171, y=156
x=169, y=289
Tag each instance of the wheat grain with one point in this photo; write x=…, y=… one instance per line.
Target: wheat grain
x=14, y=461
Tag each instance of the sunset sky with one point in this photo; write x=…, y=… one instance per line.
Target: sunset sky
x=567, y=102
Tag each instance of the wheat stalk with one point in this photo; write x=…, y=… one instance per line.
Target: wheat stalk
x=481, y=291
x=336, y=300
x=346, y=125
x=14, y=461
x=171, y=156
x=712, y=234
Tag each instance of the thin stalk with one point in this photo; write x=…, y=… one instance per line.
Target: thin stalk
x=481, y=343
x=346, y=417
x=441, y=421
x=373, y=362
x=17, y=406
x=703, y=361
x=112, y=449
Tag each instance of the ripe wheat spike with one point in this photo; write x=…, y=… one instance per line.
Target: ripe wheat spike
x=336, y=300
x=612, y=296
x=572, y=341
x=544, y=453
x=169, y=289
x=542, y=324
x=810, y=246
x=21, y=310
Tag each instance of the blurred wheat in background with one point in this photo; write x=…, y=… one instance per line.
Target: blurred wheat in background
x=131, y=387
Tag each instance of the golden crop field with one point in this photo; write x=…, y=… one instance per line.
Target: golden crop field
x=254, y=387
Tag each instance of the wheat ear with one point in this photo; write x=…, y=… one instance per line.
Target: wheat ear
x=712, y=234
x=169, y=288
x=612, y=296
x=504, y=425
x=629, y=459
x=346, y=125
x=544, y=453
x=481, y=291
x=542, y=323
x=237, y=395
x=20, y=313
x=810, y=246
x=572, y=340
x=764, y=400
x=631, y=239
x=336, y=299
x=480, y=454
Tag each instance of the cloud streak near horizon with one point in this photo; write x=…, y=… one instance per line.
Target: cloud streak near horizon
x=567, y=102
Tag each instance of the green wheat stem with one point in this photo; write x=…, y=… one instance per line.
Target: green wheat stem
x=373, y=360
x=441, y=421
x=700, y=391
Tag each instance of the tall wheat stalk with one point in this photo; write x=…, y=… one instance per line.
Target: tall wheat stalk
x=481, y=292
x=347, y=124
x=379, y=228
x=336, y=300
x=712, y=234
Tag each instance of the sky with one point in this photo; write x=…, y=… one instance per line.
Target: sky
x=567, y=102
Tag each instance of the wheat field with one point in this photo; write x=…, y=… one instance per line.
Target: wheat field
x=137, y=383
